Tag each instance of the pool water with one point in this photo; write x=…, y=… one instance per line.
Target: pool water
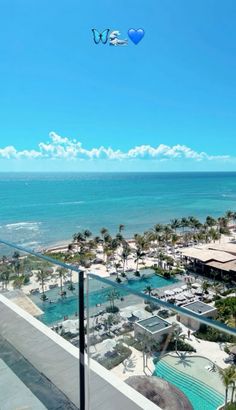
x=98, y=292
x=200, y=394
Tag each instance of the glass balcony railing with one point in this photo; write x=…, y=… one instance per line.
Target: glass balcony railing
x=73, y=339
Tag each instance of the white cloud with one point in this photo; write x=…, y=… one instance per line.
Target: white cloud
x=65, y=148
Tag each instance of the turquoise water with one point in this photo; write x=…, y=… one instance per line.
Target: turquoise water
x=42, y=209
x=54, y=312
x=201, y=396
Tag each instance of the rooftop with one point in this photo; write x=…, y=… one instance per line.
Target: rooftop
x=207, y=255
x=154, y=324
x=199, y=307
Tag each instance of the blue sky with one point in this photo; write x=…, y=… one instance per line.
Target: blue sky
x=168, y=103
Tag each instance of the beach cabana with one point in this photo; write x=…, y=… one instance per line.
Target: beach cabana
x=188, y=295
x=196, y=285
x=180, y=298
x=177, y=290
x=198, y=292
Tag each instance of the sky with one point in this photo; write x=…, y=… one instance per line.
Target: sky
x=166, y=104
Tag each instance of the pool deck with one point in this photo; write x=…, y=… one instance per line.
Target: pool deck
x=23, y=301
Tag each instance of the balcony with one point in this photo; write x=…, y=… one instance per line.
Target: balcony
x=140, y=351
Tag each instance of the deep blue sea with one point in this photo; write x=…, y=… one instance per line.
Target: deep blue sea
x=37, y=210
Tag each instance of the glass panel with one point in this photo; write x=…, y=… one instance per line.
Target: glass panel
x=36, y=367
x=171, y=341
x=174, y=356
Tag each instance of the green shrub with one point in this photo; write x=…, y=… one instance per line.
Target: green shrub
x=231, y=406
x=213, y=335
x=112, y=309
x=216, y=297
x=148, y=309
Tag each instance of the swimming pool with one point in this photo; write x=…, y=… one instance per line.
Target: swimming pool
x=203, y=389
x=61, y=307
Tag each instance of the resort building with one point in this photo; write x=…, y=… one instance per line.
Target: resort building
x=154, y=327
x=218, y=257
x=201, y=309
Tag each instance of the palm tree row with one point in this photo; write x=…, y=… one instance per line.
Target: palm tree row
x=156, y=240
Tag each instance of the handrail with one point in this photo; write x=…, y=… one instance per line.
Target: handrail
x=180, y=310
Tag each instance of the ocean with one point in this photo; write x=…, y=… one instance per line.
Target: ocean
x=42, y=209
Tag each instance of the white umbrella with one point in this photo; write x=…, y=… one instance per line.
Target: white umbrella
x=109, y=344
x=140, y=314
x=125, y=314
x=71, y=326
x=196, y=285
x=169, y=293
x=177, y=290
x=180, y=297
x=188, y=295
x=198, y=292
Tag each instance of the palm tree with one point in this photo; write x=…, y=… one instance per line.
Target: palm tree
x=229, y=215
x=167, y=232
x=121, y=228
x=184, y=223
x=177, y=335
x=194, y=223
x=214, y=234
x=16, y=262
x=232, y=319
x=125, y=253
x=103, y=232
x=139, y=254
x=174, y=240
x=41, y=276
x=149, y=344
x=175, y=224
x=87, y=234
x=210, y=222
x=5, y=276
x=148, y=290
x=233, y=385
x=62, y=273
x=205, y=286
x=228, y=377
x=111, y=297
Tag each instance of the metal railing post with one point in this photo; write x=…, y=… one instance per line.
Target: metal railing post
x=81, y=342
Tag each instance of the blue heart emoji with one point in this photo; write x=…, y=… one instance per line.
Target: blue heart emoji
x=136, y=35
